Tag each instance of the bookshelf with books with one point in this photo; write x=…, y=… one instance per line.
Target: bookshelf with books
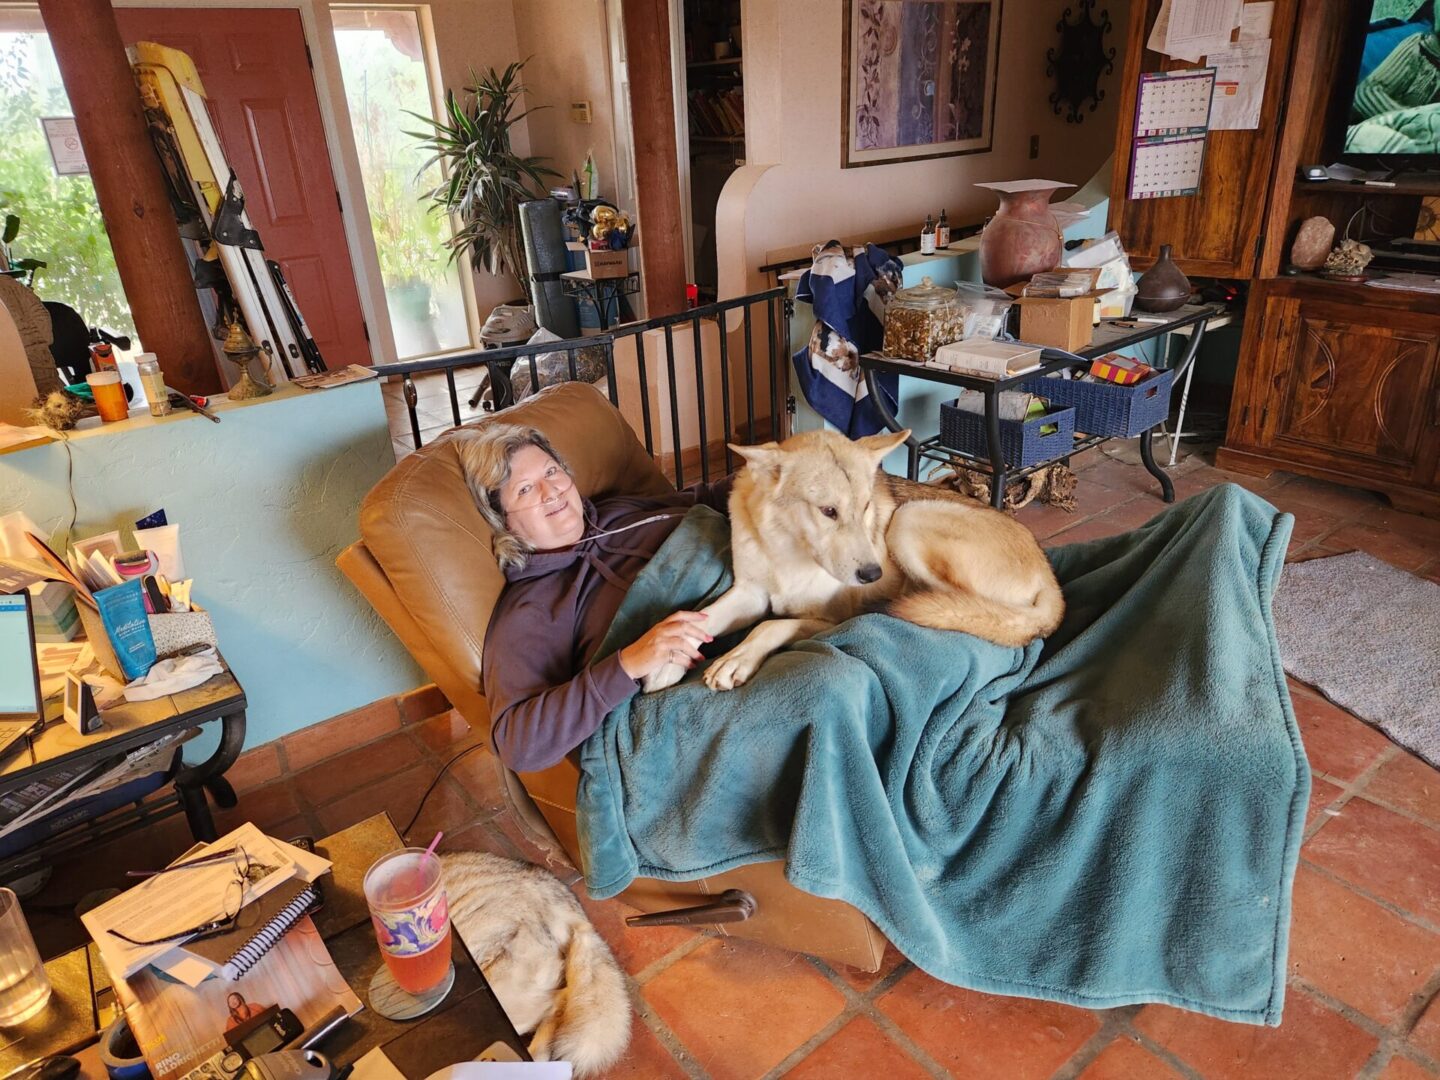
x=715, y=105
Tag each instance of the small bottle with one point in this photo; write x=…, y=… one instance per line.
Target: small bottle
x=942, y=231
x=927, y=236
x=152, y=380
x=102, y=357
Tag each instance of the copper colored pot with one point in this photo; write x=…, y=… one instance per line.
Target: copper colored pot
x=1022, y=238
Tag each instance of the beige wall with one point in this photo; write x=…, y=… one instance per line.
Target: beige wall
x=568, y=50
x=567, y=47
x=473, y=35
x=795, y=192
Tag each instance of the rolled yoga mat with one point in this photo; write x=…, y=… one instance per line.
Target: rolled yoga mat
x=544, y=238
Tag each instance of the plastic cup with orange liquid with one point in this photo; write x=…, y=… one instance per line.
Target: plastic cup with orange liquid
x=406, y=895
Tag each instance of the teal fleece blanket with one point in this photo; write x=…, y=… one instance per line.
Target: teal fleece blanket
x=1108, y=819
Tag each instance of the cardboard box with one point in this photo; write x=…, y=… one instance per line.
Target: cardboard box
x=607, y=264
x=1061, y=323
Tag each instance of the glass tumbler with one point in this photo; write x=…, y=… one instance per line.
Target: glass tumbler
x=406, y=896
x=24, y=986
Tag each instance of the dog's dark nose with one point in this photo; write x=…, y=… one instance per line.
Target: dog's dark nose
x=868, y=574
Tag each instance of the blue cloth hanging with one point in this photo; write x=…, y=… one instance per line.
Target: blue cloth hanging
x=849, y=297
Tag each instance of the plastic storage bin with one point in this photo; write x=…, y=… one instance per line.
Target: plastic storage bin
x=1021, y=441
x=1103, y=408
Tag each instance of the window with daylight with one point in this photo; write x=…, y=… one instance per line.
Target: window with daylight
x=382, y=63
x=59, y=218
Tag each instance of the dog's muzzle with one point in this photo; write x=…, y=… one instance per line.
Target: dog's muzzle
x=868, y=575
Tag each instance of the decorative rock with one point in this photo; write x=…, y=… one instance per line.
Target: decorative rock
x=1349, y=260
x=1312, y=243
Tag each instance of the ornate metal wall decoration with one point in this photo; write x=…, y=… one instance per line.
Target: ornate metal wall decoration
x=1080, y=61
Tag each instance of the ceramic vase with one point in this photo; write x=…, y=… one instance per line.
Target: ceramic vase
x=1163, y=287
x=1022, y=238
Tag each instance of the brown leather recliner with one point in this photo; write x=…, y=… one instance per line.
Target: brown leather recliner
x=424, y=562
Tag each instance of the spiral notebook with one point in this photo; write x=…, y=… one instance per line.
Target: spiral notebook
x=259, y=926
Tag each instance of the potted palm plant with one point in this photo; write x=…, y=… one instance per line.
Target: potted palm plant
x=486, y=180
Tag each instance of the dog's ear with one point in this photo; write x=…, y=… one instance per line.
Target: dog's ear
x=764, y=457
x=880, y=445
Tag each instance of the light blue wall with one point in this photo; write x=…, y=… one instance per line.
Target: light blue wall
x=265, y=500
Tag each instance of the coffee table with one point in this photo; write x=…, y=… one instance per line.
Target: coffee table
x=469, y=1020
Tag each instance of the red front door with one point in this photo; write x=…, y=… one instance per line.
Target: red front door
x=261, y=92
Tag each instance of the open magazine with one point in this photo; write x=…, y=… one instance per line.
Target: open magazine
x=59, y=788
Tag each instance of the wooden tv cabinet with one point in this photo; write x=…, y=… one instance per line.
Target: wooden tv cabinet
x=1340, y=382
x=1337, y=381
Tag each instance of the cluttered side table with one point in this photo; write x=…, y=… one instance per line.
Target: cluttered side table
x=993, y=462
x=469, y=1023
x=70, y=792
x=604, y=293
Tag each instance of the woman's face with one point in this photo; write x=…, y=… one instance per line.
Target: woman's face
x=540, y=503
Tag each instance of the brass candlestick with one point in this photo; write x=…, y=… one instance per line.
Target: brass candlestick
x=241, y=350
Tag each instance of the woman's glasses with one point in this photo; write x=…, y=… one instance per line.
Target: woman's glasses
x=247, y=872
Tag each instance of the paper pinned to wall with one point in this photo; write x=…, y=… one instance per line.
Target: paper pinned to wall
x=1188, y=29
x=1164, y=168
x=1240, y=71
x=1255, y=20
x=1174, y=102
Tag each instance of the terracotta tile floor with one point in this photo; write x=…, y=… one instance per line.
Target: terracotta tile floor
x=1364, y=987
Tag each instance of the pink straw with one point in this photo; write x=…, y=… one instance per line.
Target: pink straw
x=434, y=843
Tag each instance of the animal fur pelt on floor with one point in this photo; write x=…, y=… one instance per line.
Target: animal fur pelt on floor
x=1054, y=484
x=552, y=972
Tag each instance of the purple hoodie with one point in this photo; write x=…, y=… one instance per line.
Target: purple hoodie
x=551, y=619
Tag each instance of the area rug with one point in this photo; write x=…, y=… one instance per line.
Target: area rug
x=1367, y=636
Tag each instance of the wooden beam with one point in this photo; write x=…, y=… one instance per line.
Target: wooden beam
x=130, y=188
x=657, y=172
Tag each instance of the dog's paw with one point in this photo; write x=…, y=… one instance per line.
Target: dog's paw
x=663, y=679
x=733, y=669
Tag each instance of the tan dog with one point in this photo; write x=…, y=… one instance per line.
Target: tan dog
x=819, y=534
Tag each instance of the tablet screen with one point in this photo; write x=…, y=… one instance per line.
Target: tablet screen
x=17, y=658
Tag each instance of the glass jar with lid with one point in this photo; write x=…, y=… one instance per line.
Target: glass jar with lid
x=920, y=319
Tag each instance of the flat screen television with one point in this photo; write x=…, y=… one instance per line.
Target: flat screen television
x=1389, y=105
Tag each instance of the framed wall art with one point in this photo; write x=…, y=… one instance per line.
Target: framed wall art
x=919, y=79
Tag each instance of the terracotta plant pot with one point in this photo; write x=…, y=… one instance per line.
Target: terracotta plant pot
x=1163, y=287
x=1022, y=239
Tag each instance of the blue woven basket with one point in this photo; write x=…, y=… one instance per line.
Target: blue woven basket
x=1021, y=442
x=1104, y=408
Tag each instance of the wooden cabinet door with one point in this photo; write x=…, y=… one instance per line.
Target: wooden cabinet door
x=1216, y=232
x=1354, y=395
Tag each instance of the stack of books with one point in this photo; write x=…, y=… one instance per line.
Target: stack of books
x=56, y=617
x=184, y=969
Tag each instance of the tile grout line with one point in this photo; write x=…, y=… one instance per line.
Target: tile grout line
x=658, y=966
x=1391, y=1040
x=1389, y=905
x=678, y=1051
x=866, y=1004
x=1112, y=1023
x=1348, y=790
x=1164, y=1053
x=846, y=1014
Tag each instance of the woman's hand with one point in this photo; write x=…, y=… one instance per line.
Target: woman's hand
x=674, y=640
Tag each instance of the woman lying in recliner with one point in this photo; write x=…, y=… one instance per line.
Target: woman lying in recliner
x=568, y=563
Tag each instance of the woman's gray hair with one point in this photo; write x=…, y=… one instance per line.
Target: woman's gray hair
x=485, y=455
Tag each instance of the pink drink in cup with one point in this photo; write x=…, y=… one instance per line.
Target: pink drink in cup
x=408, y=909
